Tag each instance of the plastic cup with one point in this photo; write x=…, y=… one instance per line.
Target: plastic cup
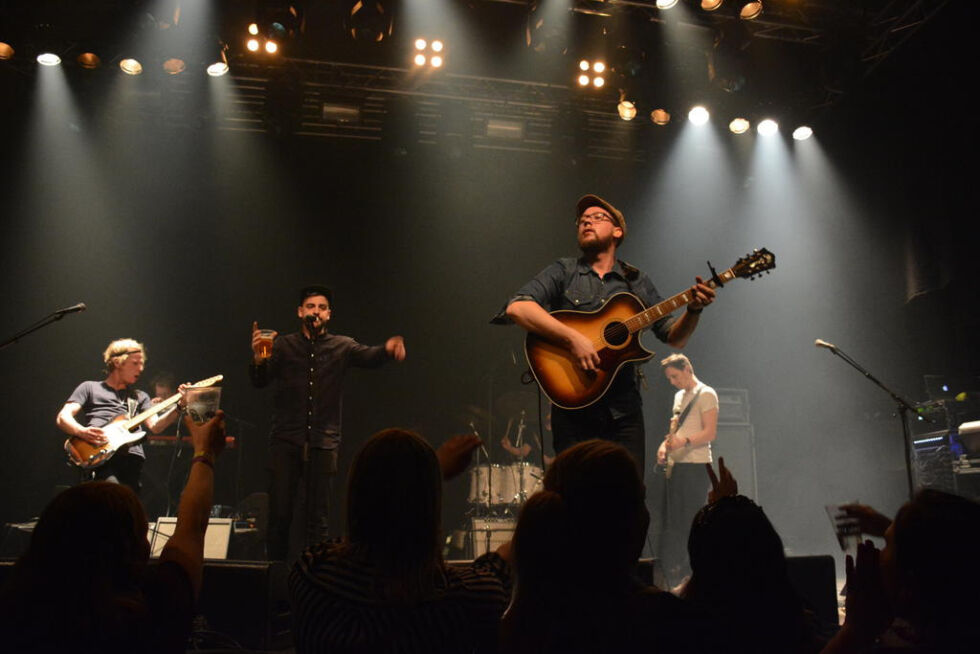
x=203, y=403
x=847, y=528
x=266, y=336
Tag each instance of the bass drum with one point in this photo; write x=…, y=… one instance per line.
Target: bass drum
x=496, y=479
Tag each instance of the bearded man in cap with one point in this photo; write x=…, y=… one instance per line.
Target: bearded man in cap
x=585, y=284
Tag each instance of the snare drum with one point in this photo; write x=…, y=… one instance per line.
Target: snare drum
x=501, y=480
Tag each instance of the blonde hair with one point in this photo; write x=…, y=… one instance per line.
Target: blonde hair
x=678, y=361
x=119, y=350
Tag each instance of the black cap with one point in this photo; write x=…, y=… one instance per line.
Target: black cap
x=316, y=289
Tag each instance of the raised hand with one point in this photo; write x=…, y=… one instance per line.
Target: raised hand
x=456, y=453
x=723, y=484
x=209, y=437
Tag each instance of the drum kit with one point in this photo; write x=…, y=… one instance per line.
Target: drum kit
x=498, y=489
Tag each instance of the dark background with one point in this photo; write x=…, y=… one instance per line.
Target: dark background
x=182, y=237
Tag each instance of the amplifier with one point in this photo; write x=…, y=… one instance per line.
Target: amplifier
x=216, y=538
x=487, y=534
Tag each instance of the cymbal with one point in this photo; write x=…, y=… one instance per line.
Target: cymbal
x=513, y=402
x=471, y=412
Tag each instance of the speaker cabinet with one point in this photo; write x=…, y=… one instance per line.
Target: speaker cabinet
x=247, y=601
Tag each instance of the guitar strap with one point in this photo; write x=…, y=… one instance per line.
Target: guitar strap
x=131, y=405
x=687, y=410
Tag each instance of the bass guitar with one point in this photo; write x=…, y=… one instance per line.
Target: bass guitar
x=119, y=432
x=615, y=330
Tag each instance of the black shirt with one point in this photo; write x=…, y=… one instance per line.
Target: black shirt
x=308, y=384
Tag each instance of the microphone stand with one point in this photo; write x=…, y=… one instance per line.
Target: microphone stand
x=902, y=406
x=43, y=322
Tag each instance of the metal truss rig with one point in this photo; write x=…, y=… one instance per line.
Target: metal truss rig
x=881, y=24
x=398, y=104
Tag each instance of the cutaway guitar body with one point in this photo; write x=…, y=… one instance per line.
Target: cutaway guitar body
x=563, y=379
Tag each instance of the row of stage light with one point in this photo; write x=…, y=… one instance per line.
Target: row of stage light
x=591, y=76
x=128, y=65
x=699, y=116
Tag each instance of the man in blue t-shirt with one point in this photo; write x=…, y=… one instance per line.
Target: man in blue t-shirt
x=101, y=402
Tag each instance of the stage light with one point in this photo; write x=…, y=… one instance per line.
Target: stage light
x=88, y=60
x=626, y=109
x=666, y=4
x=252, y=45
x=253, y=29
x=659, y=117
x=436, y=61
x=219, y=66
x=599, y=67
x=583, y=80
x=768, y=127
x=583, y=65
x=420, y=60
x=174, y=66
x=131, y=66
x=369, y=20
x=6, y=51
x=698, y=115
x=48, y=59
x=437, y=46
x=750, y=10
x=420, y=44
x=739, y=126
x=271, y=47
x=598, y=82
x=217, y=69
x=711, y=5
x=802, y=133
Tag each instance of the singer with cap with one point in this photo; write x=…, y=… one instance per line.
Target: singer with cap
x=306, y=369
x=584, y=283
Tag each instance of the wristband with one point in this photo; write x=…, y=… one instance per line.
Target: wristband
x=205, y=458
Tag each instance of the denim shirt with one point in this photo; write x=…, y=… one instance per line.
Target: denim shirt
x=571, y=283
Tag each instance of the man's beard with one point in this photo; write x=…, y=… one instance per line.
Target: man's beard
x=594, y=245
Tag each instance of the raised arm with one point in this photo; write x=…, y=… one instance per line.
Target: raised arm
x=186, y=546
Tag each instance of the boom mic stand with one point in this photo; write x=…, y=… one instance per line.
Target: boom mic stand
x=902, y=406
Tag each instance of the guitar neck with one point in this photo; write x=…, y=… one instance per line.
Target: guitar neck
x=159, y=407
x=649, y=316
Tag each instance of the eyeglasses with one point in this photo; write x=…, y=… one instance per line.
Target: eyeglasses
x=597, y=217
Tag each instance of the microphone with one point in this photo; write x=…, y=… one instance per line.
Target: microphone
x=75, y=308
x=825, y=344
x=310, y=319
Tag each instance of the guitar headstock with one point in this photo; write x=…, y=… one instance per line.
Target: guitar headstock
x=210, y=381
x=754, y=263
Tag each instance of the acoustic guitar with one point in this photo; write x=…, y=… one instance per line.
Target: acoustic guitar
x=615, y=332
x=118, y=432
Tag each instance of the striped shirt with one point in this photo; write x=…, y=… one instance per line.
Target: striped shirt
x=336, y=607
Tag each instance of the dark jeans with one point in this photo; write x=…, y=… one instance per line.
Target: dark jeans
x=123, y=468
x=288, y=500
x=596, y=421
x=685, y=493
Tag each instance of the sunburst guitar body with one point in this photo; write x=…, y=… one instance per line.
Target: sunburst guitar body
x=614, y=330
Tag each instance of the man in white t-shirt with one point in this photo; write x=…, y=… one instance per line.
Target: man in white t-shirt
x=684, y=451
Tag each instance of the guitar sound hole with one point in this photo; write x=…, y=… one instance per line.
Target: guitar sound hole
x=616, y=333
